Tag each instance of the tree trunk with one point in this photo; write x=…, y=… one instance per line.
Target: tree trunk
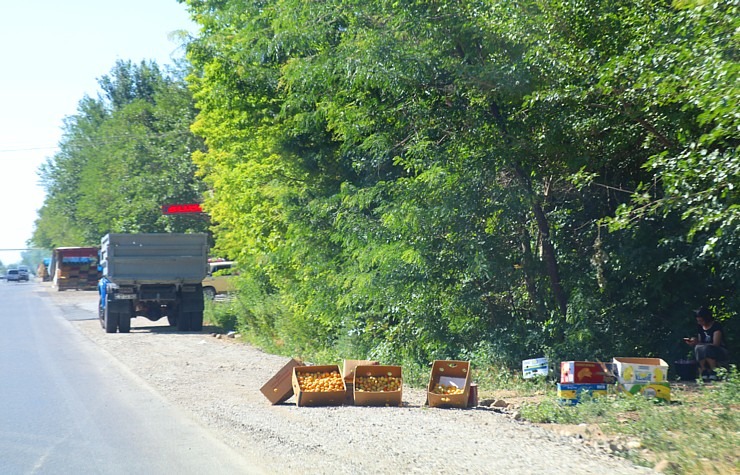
x=529, y=270
x=548, y=250
x=548, y=255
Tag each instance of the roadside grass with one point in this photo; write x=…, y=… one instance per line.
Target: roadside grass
x=222, y=315
x=697, y=433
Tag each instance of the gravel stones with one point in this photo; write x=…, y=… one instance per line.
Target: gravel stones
x=217, y=382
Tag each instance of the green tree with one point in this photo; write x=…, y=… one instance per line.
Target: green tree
x=123, y=156
x=418, y=180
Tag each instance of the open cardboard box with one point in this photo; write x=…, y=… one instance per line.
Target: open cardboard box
x=449, y=373
x=328, y=398
x=377, y=398
x=640, y=370
x=348, y=373
x=279, y=388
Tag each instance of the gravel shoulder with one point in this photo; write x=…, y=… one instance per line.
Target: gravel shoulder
x=217, y=381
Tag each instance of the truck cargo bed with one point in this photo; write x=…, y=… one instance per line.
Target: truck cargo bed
x=154, y=258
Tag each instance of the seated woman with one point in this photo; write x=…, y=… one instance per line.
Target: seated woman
x=709, y=345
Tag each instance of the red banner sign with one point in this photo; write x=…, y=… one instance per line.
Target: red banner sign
x=182, y=208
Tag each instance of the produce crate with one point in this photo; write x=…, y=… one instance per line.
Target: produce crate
x=641, y=370
x=585, y=372
x=377, y=398
x=279, y=388
x=572, y=393
x=326, y=398
x=449, y=373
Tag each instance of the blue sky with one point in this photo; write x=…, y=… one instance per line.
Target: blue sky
x=51, y=54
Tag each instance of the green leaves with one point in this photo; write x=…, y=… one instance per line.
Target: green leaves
x=409, y=179
x=123, y=156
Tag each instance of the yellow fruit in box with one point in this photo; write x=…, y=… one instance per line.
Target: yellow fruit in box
x=446, y=390
x=320, y=382
x=377, y=383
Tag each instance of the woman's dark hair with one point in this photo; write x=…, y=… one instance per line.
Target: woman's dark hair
x=703, y=312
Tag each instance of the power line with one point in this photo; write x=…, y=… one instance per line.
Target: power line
x=29, y=149
x=25, y=249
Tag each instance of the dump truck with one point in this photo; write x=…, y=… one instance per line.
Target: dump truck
x=152, y=276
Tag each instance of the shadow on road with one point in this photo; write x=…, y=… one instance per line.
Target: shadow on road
x=163, y=328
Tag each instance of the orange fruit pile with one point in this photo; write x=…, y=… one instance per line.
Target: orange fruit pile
x=377, y=383
x=442, y=389
x=320, y=382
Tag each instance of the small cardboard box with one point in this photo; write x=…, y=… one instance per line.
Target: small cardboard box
x=641, y=370
x=280, y=387
x=328, y=398
x=348, y=372
x=535, y=367
x=572, y=393
x=449, y=373
x=584, y=372
x=660, y=390
x=378, y=398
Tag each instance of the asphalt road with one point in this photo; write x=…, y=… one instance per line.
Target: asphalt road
x=68, y=407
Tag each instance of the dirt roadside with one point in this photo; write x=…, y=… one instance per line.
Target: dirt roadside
x=218, y=381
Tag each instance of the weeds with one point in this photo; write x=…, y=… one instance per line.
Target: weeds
x=698, y=432
x=222, y=315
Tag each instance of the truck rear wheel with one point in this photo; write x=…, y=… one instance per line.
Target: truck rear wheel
x=110, y=320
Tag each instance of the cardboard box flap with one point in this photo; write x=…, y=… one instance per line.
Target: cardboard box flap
x=279, y=388
x=348, y=370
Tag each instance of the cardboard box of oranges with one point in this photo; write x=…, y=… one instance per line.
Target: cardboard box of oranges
x=348, y=372
x=376, y=385
x=320, y=385
x=449, y=384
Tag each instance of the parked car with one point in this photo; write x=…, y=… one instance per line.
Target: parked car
x=219, y=279
x=23, y=273
x=13, y=275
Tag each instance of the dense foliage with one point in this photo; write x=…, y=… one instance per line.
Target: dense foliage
x=410, y=180
x=122, y=156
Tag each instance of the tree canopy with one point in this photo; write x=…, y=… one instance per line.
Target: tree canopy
x=123, y=155
x=410, y=180
x=486, y=179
